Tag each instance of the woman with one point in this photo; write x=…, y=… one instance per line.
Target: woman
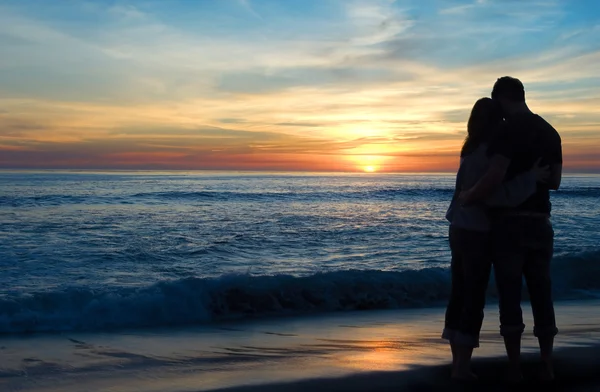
x=469, y=235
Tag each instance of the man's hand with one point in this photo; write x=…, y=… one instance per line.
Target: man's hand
x=542, y=173
x=465, y=197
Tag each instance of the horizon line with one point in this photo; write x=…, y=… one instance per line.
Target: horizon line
x=117, y=170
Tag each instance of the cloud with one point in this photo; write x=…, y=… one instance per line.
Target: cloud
x=127, y=12
x=231, y=120
x=274, y=80
x=246, y=5
x=298, y=124
x=459, y=9
x=329, y=79
x=16, y=127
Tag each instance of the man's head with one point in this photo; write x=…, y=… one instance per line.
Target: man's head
x=509, y=92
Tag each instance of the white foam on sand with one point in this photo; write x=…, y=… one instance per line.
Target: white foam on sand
x=259, y=353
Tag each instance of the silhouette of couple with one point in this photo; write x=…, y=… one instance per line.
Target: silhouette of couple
x=500, y=218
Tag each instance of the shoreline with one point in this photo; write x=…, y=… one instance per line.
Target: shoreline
x=344, y=350
x=236, y=320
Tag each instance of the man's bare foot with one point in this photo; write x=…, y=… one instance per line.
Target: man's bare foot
x=514, y=374
x=464, y=375
x=547, y=371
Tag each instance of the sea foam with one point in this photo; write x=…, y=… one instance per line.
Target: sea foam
x=204, y=300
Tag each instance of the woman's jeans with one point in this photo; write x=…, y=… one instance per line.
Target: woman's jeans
x=470, y=268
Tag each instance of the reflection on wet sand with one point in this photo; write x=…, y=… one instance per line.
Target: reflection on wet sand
x=256, y=352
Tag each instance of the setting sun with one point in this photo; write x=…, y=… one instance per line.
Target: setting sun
x=369, y=163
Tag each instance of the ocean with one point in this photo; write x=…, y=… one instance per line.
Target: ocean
x=98, y=251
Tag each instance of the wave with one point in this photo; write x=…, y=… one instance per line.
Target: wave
x=203, y=300
x=372, y=194
x=54, y=200
x=166, y=197
x=578, y=192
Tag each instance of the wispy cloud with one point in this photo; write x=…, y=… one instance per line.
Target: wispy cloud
x=246, y=4
x=311, y=84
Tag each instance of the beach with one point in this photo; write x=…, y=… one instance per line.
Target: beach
x=351, y=351
x=278, y=195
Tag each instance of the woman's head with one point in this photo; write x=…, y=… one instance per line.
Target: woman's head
x=485, y=116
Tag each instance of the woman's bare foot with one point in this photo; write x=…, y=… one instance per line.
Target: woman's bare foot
x=462, y=366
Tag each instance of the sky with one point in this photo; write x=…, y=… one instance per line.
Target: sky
x=285, y=85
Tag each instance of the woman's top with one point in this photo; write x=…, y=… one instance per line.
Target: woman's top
x=510, y=194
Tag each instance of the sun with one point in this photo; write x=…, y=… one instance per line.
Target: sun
x=367, y=163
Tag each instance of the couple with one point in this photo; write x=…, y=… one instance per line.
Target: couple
x=500, y=216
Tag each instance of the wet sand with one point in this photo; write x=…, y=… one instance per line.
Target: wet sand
x=578, y=369
x=354, y=351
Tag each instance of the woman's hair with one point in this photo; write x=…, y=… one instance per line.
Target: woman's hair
x=485, y=117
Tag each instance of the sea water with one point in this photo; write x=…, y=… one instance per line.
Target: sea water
x=95, y=250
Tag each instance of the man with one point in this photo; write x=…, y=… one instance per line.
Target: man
x=522, y=237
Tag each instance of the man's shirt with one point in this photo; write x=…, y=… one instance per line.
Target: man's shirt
x=524, y=139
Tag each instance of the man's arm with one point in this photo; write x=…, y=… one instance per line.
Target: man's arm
x=555, y=176
x=555, y=160
x=488, y=183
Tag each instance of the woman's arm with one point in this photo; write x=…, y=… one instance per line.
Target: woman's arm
x=490, y=181
x=516, y=191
